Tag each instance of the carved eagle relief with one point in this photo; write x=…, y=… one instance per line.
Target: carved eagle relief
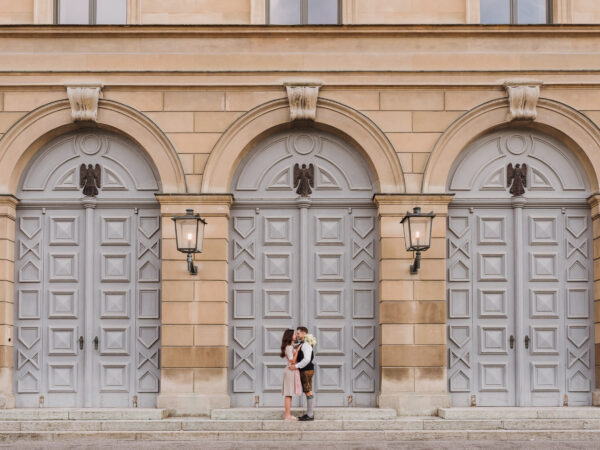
x=304, y=179
x=90, y=179
x=516, y=178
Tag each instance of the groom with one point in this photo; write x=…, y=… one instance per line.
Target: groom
x=307, y=370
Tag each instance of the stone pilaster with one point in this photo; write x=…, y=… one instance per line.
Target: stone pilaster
x=8, y=205
x=594, y=202
x=194, y=310
x=412, y=310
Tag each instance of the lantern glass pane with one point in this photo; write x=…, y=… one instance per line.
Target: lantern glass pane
x=407, y=235
x=186, y=234
x=200, y=239
x=419, y=229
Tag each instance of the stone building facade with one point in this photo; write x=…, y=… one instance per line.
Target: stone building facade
x=206, y=106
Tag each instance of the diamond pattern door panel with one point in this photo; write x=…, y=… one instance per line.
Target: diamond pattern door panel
x=128, y=328
x=559, y=314
x=48, y=316
x=480, y=307
x=542, y=364
x=264, y=291
x=341, y=309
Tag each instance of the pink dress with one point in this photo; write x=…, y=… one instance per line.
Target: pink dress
x=291, y=378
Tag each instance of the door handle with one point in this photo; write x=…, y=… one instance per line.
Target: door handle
x=80, y=342
x=526, y=341
x=512, y=341
x=96, y=342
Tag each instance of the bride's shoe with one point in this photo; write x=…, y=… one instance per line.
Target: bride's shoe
x=291, y=419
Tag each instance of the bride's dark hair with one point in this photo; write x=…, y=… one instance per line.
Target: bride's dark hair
x=286, y=340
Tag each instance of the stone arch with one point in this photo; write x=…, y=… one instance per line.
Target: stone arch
x=568, y=125
x=30, y=133
x=332, y=116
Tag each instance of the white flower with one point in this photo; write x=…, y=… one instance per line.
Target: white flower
x=312, y=341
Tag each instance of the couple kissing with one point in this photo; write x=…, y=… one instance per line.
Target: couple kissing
x=297, y=348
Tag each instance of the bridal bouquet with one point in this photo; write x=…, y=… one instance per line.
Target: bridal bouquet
x=312, y=341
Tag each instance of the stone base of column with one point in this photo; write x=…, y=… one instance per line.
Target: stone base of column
x=7, y=401
x=192, y=404
x=596, y=398
x=415, y=403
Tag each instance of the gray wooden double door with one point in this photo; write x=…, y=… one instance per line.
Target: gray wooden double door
x=87, y=282
x=308, y=261
x=520, y=277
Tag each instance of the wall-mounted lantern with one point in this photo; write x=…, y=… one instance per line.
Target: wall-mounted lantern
x=417, y=234
x=189, y=233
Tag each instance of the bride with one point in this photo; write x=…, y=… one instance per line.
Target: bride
x=291, y=377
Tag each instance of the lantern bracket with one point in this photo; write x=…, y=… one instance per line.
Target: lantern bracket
x=416, y=265
x=192, y=269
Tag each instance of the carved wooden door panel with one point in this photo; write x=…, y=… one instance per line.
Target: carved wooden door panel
x=126, y=307
x=481, y=307
x=49, y=310
x=558, y=359
x=341, y=303
x=265, y=303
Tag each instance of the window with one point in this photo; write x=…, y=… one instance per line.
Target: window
x=516, y=11
x=90, y=12
x=304, y=12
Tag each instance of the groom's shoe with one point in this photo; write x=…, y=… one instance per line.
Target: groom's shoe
x=302, y=418
x=306, y=418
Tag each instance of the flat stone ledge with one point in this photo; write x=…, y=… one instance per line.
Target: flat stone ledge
x=83, y=414
x=519, y=413
x=324, y=436
x=320, y=413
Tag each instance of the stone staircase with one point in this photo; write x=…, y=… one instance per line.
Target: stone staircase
x=264, y=424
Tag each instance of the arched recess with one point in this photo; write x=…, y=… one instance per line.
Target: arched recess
x=29, y=134
x=332, y=116
x=304, y=256
x=520, y=268
x=87, y=274
x=568, y=125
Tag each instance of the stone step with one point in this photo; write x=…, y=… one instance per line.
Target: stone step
x=568, y=412
x=320, y=413
x=204, y=424
x=307, y=435
x=83, y=414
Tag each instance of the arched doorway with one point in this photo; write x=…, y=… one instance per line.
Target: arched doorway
x=304, y=258
x=520, y=274
x=87, y=275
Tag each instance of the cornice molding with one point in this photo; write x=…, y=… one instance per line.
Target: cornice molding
x=43, y=31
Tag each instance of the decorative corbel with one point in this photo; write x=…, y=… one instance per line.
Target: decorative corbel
x=84, y=101
x=303, y=99
x=522, y=99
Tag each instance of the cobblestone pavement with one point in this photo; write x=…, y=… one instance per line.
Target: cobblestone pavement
x=307, y=445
